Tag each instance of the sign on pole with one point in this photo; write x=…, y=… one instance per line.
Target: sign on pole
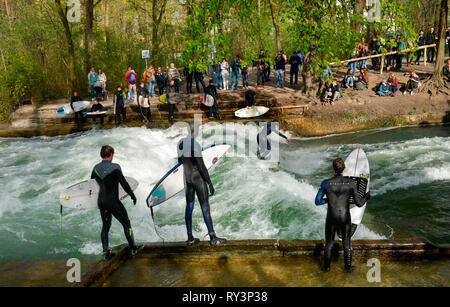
x=145, y=54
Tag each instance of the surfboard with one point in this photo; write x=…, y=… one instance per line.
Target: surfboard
x=357, y=168
x=77, y=105
x=173, y=181
x=209, y=102
x=96, y=113
x=251, y=112
x=84, y=195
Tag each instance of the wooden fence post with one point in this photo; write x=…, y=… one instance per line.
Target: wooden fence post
x=381, y=64
x=424, y=57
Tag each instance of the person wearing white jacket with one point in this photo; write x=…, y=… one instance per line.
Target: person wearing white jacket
x=225, y=67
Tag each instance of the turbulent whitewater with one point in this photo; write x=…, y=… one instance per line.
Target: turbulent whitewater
x=410, y=181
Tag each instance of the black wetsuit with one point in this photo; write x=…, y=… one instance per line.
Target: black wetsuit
x=338, y=190
x=250, y=98
x=196, y=179
x=97, y=107
x=108, y=175
x=119, y=107
x=264, y=147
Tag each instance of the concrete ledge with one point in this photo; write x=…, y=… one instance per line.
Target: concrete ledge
x=261, y=250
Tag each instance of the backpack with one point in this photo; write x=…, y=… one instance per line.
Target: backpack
x=132, y=78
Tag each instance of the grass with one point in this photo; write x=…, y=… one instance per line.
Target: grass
x=347, y=115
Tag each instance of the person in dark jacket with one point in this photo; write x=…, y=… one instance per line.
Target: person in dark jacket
x=260, y=73
x=120, y=107
x=294, y=61
x=143, y=102
x=198, y=77
x=97, y=107
x=338, y=191
x=212, y=91
x=160, y=81
x=430, y=39
x=420, y=42
x=79, y=118
x=280, y=68
x=332, y=93
x=189, y=75
x=398, y=57
x=374, y=49
x=250, y=98
x=108, y=176
x=217, y=75
x=171, y=98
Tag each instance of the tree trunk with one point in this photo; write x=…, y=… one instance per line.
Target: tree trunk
x=307, y=86
x=435, y=84
x=358, y=9
x=157, y=18
x=437, y=74
x=88, y=37
x=275, y=25
x=69, y=42
x=106, y=7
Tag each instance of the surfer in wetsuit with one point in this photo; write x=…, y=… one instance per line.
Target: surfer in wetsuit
x=196, y=179
x=338, y=191
x=265, y=130
x=108, y=176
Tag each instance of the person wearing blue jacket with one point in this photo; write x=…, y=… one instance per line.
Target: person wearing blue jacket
x=383, y=90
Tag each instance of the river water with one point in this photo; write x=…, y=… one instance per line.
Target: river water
x=410, y=184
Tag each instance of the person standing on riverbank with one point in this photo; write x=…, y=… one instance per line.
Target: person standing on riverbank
x=79, y=118
x=131, y=78
x=92, y=78
x=338, y=191
x=120, y=107
x=108, y=176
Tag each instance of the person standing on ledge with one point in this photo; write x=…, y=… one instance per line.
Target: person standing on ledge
x=108, y=176
x=338, y=191
x=196, y=179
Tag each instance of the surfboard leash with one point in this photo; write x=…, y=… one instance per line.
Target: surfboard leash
x=154, y=225
x=62, y=234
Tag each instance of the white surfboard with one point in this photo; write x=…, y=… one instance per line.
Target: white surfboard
x=96, y=113
x=77, y=105
x=173, y=182
x=357, y=168
x=251, y=112
x=209, y=102
x=84, y=195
